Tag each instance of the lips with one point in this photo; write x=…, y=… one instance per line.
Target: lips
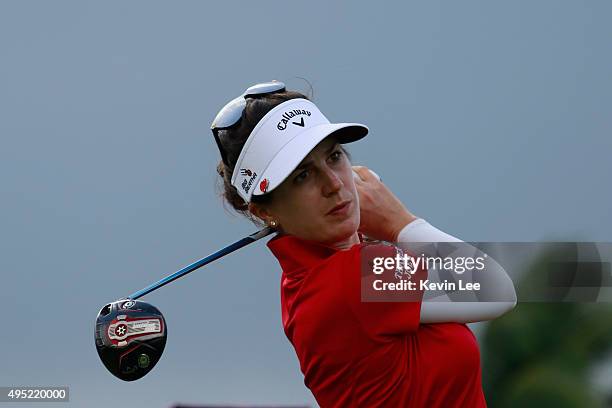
x=339, y=208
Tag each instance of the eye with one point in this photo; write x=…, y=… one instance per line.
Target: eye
x=335, y=156
x=301, y=176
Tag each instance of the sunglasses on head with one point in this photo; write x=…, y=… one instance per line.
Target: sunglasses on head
x=231, y=113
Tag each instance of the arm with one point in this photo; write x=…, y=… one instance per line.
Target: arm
x=384, y=217
x=468, y=306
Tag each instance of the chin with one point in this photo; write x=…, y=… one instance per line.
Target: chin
x=341, y=231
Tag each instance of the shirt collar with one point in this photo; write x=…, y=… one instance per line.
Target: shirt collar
x=296, y=254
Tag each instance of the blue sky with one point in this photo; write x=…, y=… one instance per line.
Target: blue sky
x=489, y=119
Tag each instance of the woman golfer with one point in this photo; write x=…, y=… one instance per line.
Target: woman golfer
x=283, y=164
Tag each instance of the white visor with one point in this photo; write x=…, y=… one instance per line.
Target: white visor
x=281, y=140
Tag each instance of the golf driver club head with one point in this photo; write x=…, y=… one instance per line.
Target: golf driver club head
x=130, y=337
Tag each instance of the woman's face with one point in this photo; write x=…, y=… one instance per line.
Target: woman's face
x=318, y=201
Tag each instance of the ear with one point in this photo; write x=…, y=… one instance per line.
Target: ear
x=261, y=212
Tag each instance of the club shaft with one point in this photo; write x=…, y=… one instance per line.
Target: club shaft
x=204, y=261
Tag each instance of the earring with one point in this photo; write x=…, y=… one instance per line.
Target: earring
x=273, y=224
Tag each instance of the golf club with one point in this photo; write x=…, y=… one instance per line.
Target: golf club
x=130, y=335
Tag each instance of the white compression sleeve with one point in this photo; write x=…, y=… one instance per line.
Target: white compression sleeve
x=439, y=307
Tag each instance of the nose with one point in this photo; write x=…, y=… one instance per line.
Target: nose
x=331, y=182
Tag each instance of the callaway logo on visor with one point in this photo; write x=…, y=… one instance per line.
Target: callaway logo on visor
x=282, y=125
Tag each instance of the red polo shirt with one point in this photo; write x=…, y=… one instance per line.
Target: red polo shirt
x=369, y=354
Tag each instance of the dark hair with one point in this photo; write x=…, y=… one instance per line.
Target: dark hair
x=232, y=140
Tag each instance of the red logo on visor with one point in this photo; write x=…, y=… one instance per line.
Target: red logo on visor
x=263, y=186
